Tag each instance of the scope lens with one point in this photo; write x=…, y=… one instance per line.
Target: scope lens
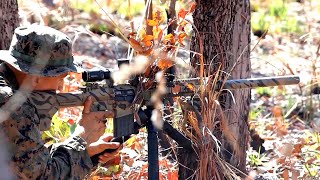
x=92, y=76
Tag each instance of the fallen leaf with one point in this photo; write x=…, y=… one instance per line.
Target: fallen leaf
x=297, y=148
x=286, y=149
x=277, y=111
x=285, y=174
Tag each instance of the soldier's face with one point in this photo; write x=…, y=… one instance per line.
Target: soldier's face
x=31, y=82
x=49, y=83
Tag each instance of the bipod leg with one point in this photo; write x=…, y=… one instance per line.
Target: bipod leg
x=153, y=155
x=153, y=151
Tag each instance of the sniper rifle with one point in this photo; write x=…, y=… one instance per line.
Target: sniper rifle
x=128, y=98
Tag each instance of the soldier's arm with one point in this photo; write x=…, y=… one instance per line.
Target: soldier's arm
x=32, y=160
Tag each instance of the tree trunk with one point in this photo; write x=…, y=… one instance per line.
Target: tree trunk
x=9, y=20
x=223, y=26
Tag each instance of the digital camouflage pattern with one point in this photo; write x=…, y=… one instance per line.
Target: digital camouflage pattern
x=29, y=158
x=40, y=50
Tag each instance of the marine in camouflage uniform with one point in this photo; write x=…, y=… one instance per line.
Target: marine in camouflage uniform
x=47, y=52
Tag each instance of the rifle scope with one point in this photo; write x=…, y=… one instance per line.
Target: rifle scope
x=98, y=75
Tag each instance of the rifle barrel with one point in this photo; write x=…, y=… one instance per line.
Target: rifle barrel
x=261, y=82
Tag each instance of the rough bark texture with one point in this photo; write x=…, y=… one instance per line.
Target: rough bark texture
x=9, y=20
x=224, y=29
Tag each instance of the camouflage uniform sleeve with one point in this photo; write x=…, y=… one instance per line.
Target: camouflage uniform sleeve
x=30, y=159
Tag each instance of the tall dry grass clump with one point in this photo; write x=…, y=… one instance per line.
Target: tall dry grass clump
x=205, y=118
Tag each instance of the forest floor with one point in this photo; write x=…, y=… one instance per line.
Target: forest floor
x=285, y=120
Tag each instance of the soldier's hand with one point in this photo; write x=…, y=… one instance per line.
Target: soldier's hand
x=93, y=123
x=102, y=144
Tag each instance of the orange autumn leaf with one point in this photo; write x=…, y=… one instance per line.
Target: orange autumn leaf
x=182, y=13
x=192, y=6
x=190, y=87
x=164, y=63
x=163, y=163
x=147, y=38
x=181, y=37
x=176, y=89
x=152, y=22
x=94, y=177
x=157, y=16
x=169, y=38
x=181, y=25
x=136, y=45
x=172, y=175
x=148, y=43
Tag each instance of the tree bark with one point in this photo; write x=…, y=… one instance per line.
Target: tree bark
x=223, y=26
x=9, y=20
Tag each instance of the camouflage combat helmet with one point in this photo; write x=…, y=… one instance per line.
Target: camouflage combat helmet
x=40, y=50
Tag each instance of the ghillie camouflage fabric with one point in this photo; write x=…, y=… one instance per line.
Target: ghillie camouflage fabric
x=29, y=158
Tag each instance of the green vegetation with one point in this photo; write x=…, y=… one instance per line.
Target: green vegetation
x=274, y=18
x=124, y=8
x=254, y=158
